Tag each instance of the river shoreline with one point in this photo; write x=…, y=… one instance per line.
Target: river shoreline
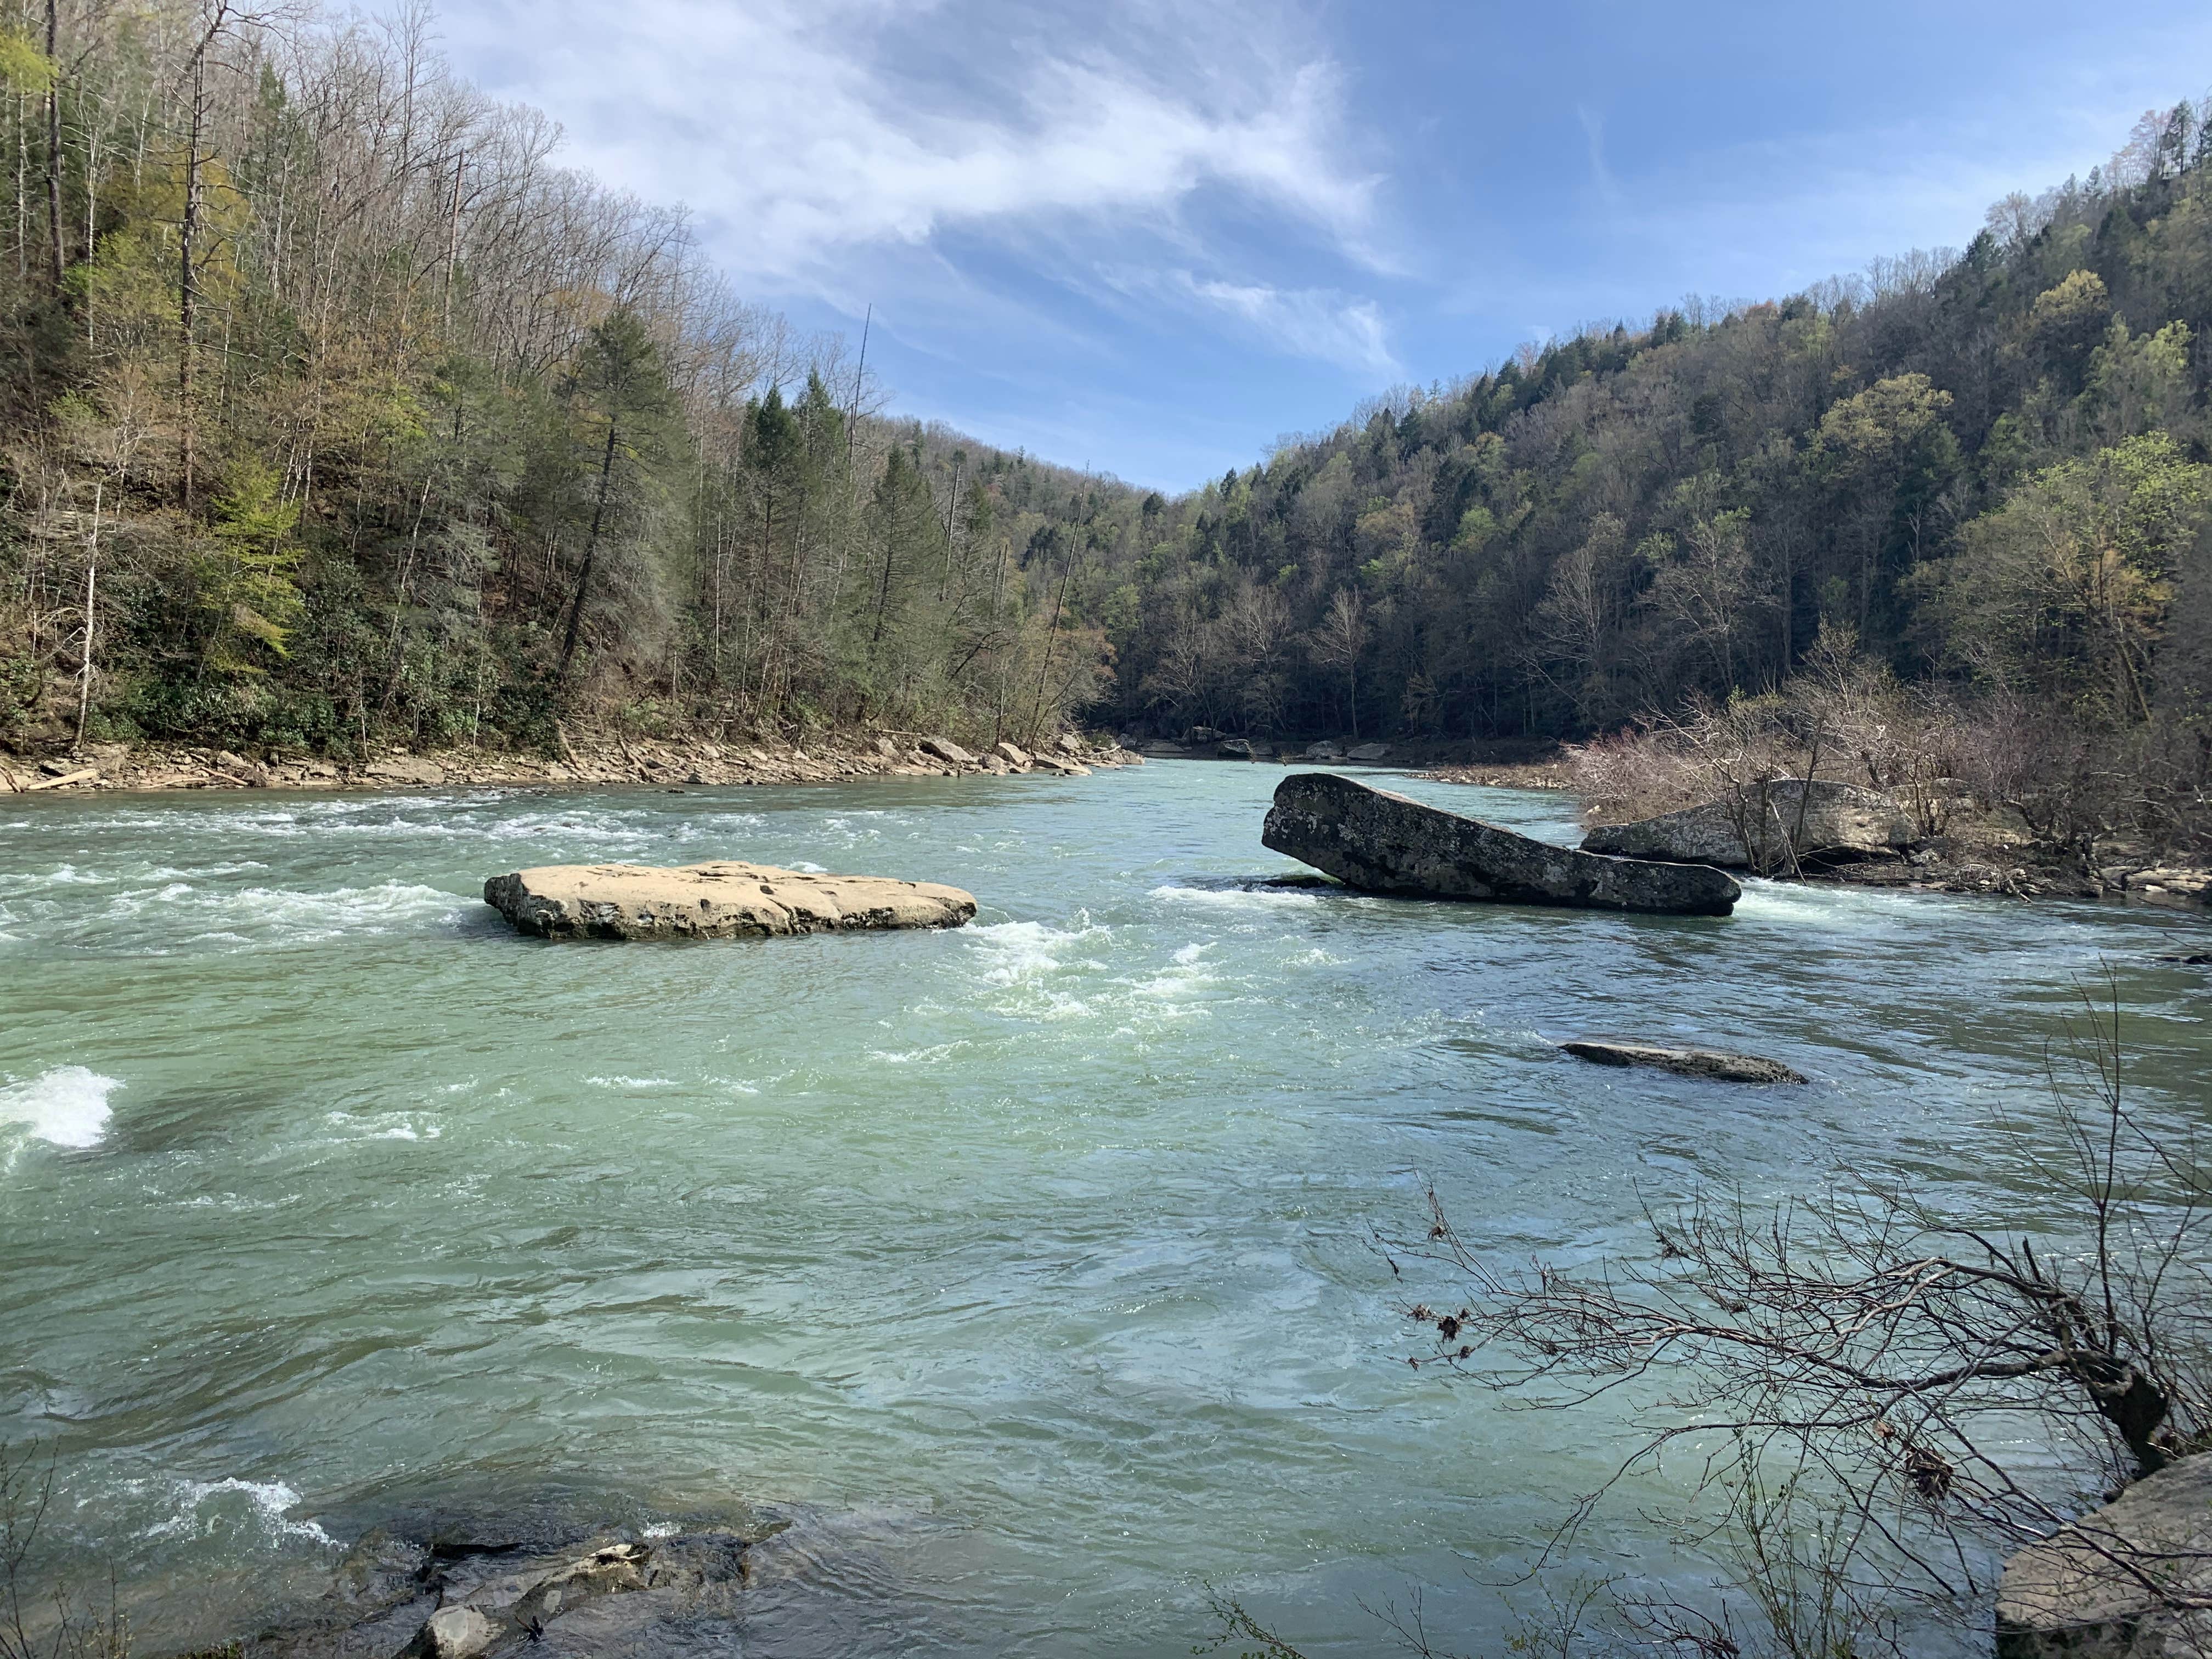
x=1982, y=860
x=585, y=759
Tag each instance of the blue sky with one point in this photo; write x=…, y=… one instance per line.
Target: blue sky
x=1153, y=236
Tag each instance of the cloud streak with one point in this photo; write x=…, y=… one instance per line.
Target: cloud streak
x=804, y=131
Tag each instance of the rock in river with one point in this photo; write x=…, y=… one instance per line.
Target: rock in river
x=1823, y=821
x=713, y=901
x=2129, y=1581
x=1388, y=843
x=1690, y=1062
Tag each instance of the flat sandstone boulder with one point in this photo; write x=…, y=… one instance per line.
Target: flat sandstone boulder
x=713, y=901
x=1387, y=843
x=1688, y=1062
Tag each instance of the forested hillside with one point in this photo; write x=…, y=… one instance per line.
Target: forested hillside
x=347, y=416
x=344, y=416
x=1986, y=463
x=1985, y=471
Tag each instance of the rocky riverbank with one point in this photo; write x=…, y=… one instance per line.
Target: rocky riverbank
x=1989, y=855
x=582, y=759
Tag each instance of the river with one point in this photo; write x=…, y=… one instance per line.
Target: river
x=1027, y=1268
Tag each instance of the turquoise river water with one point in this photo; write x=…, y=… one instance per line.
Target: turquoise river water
x=1027, y=1268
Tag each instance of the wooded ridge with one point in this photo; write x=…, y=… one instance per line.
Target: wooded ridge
x=340, y=416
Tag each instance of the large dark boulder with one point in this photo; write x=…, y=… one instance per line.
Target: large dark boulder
x=1387, y=843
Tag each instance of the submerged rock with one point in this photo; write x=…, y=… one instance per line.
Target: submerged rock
x=1824, y=820
x=1690, y=1062
x=1387, y=843
x=713, y=901
x=2117, y=1583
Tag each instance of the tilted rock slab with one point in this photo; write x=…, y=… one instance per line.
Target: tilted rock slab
x=2129, y=1581
x=713, y=901
x=1688, y=1062
x=1838, y=818
x=1387, y=843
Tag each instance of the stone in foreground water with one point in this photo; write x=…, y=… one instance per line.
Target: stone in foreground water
x=1389, y=843
x=725, y=900
x=2125, y=1582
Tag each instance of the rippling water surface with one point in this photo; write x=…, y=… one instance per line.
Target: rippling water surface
x=1028, y=1266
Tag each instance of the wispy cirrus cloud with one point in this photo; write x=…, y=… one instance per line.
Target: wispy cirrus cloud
x=1324, y=324
x=803, y=130
x=1319, y=323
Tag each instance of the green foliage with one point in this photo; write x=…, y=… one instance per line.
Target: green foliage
x=23, y=67
x=2068, y=584
x=245, y=573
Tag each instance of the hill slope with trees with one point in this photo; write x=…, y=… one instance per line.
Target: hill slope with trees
x=340, y=415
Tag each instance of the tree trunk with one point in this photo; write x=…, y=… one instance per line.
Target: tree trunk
x=591, y=552
x=883, y=593
x=1036, y=714
x=185, y=294
x=91, y=581
x=53, y=153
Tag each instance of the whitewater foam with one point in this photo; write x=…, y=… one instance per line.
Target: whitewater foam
x=64, y=1107
x=185, y=912
x=1238, y=898
x=200, y=1510
x=1017, y=951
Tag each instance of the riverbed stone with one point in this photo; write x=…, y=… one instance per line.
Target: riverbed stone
x=1385, y=842
x=721, y=900
x=1840, y=820
x=1368, y=751
x=404, y=769
x=2105, y=1587
x=1687, y=1062
x=456, y=1633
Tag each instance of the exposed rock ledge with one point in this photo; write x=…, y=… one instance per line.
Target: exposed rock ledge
x=1821, y=820
x=713, y=901
x=1387, y=843
x=2118, y=1584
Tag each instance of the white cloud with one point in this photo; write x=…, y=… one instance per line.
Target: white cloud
x=1324, y=323
x=803, y=130
x=1307, y=322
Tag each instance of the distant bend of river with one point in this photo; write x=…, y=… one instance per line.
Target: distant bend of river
x=1028, y=1266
